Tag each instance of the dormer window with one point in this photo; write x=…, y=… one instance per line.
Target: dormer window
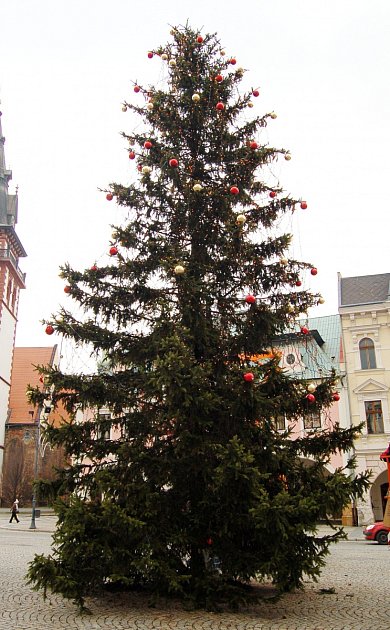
x=367, y=354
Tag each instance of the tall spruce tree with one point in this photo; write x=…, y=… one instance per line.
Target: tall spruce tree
x=196, y=492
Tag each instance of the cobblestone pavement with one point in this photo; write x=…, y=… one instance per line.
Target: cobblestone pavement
x=350, y=595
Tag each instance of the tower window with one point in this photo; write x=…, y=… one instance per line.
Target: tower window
x=367, y=354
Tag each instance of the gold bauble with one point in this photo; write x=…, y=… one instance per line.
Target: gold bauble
x=283, y=261
x=241, y=218
x=273, y=115
x=124, y=108
x=321, y=300
x=172, y=63
x=311, y=388
x=164, y=56
x=196, y=97
x=250, y=104
x=179, y=269
x=197, y=187
x=146, y=170
x=287, y=157
x=149, y=107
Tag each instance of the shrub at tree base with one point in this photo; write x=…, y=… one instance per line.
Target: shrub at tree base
x=183, y=485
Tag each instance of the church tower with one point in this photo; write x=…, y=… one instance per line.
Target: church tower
x=11, y=281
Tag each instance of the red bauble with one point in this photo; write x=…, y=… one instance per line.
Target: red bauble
x=310, y=398
x=234, y=190
x=199, y=39
x=304, y=330
x=136, y=89
x=41, y=379
x=272, y=194
x=173, y=163
x=49, y=329
x=250, y=299
x=303, y=205
x=298, y=283
x=209, y=541
x=253, y=145
x=147, y=144
x=139, y=167
x=220, y=107
x=109, y=197
x=131, y=155
x=233, y=61
x=219, y=78
x=93, y=268
x=255, y=92
x=113, y=251
x=336, y=396
x=313, y=271
x=150, y=55
x=67, y=289
x=249, y=377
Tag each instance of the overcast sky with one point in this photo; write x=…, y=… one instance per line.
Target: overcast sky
x=66, y=67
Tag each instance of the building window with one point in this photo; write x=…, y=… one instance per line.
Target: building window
x=279, y=423
x=367, y=354
x=102, y=430
x=312, y=420
x=374, y=416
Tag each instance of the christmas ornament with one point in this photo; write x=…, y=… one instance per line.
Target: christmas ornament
x=196, y=97
x=49, y=329
x=131, y=155
x=148, y=144
x=173, y=163
x=149, y=107
x=150, y=55
x=253, y=145
x=113, y=251
x=139, y=167
x=41, y=379
x=124, y=108
x=197, y=188
x=172, y=63
x=250, y=104
x=255, y=92
x=67, y=289
x=336, y=396
x=109, y=196
x=199, y=39
x=313, y=271
x=310, y=398
x=233, y=61
x=311, y=388
x=298, y=283
x=287, y=157
x=223, y=53
x=304, y=330
x=241, y=218
x=164, y=56
x=220, y=107
x=219, y=78
x=146, y=170
x=283, y=261
x=179, y=269
x=234, y=190
x=303, y=205
x=273, y=115
x=249, y=377
x=321, y=300
x=272, y=194
x=137, y=89
x=93, y=268
x=250, y=299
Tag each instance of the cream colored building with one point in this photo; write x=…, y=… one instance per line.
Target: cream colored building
x=364, y=308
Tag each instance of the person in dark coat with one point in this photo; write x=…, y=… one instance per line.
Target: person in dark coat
x=14, y=511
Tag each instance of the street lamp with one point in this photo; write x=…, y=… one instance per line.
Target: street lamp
x=42, y=413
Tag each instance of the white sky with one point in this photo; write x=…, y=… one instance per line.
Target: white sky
x=66, y=67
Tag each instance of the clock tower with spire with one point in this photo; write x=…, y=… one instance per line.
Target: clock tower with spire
x=11, y=281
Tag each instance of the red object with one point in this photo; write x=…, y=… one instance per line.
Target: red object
x=209, y=541
x=272, y=194
x=377, y=531
x=249, y=377
x=150, y=55
x=139, y=167
x=173, y=163
x=255, y=92
x=67, y=289
x=93, y=268
x=199, y=39
x=250, y=299
x=233, y=61
x=336, y=396
x=109, y=197
x=298, y=283
x=234, y=190
x=310, y=398
x=131, y=155
x=313, y=271
x=219, y=78
x=303, y=205
x=41, y=379
x=253, y=145
x=113, y=251
x=304, y=330
x=49, y=329
x=148, y=144
x=136, y=89
x=386, y=454
x=220, y=107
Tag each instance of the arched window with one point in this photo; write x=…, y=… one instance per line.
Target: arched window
x=367, y=354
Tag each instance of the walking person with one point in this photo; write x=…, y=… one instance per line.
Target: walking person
x=14, y=511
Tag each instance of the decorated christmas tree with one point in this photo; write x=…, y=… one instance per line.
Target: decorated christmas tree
x=178, y=480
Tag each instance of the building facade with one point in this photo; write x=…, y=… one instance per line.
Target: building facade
x=364, y=308
x=11, y=281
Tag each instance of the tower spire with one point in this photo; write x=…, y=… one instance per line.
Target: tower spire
x=8, y=203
